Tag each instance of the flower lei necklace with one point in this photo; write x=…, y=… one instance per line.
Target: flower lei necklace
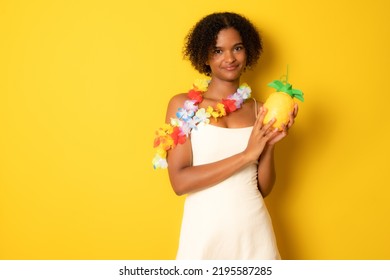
x=190, y=116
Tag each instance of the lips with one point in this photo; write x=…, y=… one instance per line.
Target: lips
x=231, y=67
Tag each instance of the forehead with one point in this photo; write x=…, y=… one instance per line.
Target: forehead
x=228, y=36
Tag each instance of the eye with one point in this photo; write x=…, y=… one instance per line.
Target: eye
x=217, y=51
x=238, y=48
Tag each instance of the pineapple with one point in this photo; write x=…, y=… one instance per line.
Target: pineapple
x=281, y=103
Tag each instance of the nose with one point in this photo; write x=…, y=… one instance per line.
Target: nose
x=229, y=57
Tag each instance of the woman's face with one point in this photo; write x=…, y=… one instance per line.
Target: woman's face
x=227, y=59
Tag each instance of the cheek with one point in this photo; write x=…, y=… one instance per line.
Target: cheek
x=242, y=56
x=214, y=58
x=214, y=61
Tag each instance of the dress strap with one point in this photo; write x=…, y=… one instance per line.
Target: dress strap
x=255, y=107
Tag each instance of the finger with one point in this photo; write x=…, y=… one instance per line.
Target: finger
x=293, y=114
x=272, y=133
x=268, y=127
x=258, y=115
x=257, y=125
x=285, y=127
x=290, y=122
x=295, y=109
x=260, y=118
x=259, y=109
x=277, y=137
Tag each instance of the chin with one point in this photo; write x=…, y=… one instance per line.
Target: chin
x=231, y=77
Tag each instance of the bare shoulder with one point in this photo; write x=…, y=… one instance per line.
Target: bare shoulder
x=174, y=104
x=257, y=102
x=178, y=99
x=254, y=104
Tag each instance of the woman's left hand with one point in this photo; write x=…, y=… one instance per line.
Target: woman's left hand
x=283, y=133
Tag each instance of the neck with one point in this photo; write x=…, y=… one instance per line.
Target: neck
x=219, y=89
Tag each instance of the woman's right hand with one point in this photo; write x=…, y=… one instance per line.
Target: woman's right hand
x=261, y=133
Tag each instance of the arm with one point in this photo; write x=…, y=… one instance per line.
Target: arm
x=266, y=169
x=186, y=178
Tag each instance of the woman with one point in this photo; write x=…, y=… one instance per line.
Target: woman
x=225, y=162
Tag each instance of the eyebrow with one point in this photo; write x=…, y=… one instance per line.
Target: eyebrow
x=235, y=45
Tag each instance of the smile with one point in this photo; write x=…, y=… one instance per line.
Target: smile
x=231, y=68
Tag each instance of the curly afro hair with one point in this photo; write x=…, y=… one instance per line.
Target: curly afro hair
x=203, y=36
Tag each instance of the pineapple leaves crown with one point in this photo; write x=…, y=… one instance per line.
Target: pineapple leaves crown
x=283, y=86
x=287, y=88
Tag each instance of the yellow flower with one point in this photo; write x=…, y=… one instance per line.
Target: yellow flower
x=166, y=143
x=167, y=128
x=213, y=113
x=160, y=133
x=161, y=152
x=221, y=110
x=201, y=84
x=176, y=122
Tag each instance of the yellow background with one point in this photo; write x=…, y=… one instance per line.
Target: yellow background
x=84, y=85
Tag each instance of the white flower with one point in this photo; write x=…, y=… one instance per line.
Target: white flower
x=245, y=91
x=159, y=162
x=202, y=116
x=238, y=98
x=189, y=105
x=185, y=129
